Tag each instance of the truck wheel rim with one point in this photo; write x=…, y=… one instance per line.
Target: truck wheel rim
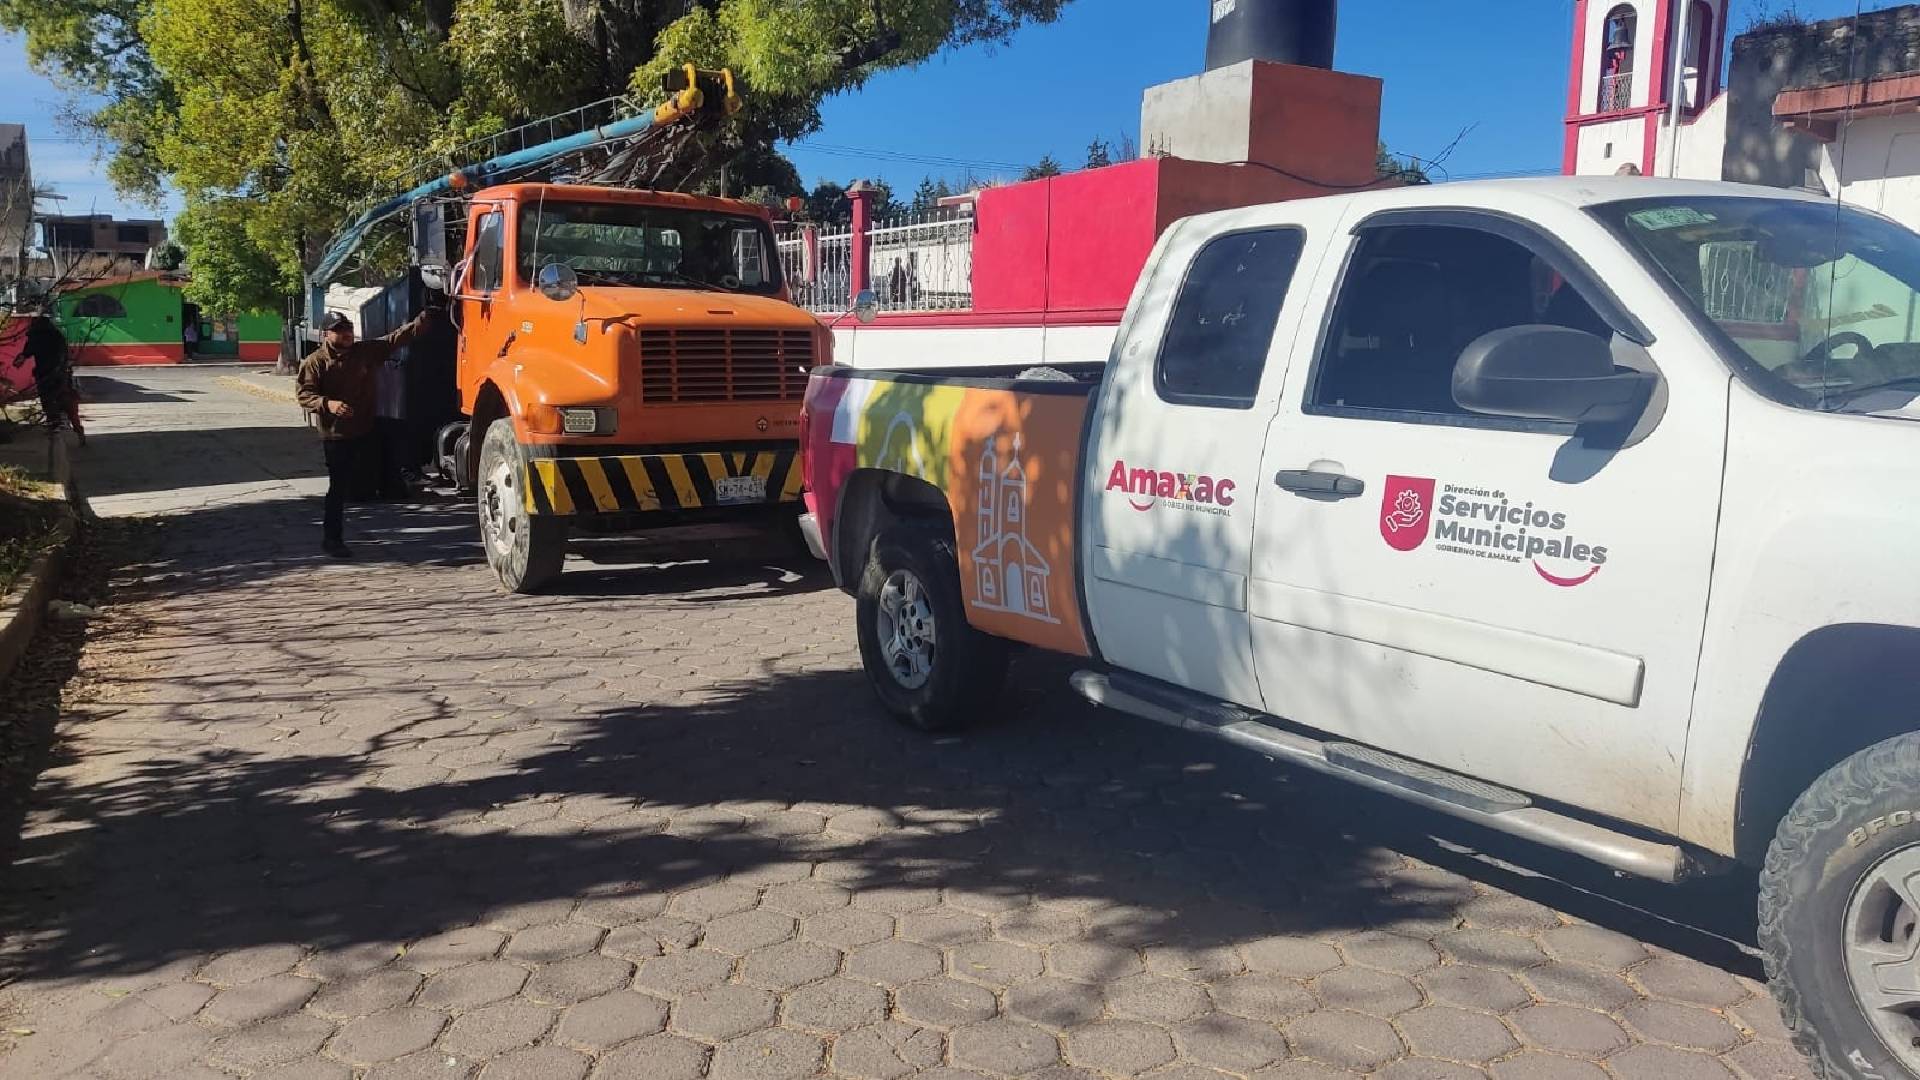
x=498, y=508
x=906, y=628
x=1883, y=952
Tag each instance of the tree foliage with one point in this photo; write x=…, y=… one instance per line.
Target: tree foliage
x=277, y=119
x=1099, y=154
x=1043, y=168
x=1407, y=171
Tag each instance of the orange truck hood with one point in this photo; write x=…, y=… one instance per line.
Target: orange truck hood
x=640, y=308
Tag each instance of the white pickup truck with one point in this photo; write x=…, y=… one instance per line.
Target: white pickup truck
x=1580, y=508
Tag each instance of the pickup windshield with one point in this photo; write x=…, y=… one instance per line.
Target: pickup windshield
x=649, y=246
x=1819, y=303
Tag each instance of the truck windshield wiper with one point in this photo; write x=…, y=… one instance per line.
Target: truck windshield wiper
x=1847, y=397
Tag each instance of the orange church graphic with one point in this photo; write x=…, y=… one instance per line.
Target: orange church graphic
x=1009, y=573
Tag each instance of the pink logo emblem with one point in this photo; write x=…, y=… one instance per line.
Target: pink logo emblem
x=1406, y=511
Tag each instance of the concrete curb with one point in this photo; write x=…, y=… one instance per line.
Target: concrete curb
x=25, y=608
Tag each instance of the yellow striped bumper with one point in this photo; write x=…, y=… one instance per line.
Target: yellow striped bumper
x=640, y=482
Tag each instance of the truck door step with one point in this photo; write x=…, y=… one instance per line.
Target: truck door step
x=1464, y=797
x=1415, y=776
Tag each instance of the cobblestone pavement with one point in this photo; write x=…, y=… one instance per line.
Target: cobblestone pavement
x=325, y=821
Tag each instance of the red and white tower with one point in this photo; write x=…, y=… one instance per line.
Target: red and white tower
x=1621, y=88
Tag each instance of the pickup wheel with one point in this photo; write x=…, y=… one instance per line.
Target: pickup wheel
x=524, y=549
x=1840, y=915
x=929, y=666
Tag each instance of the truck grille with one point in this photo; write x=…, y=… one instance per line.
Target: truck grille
x=696, y=366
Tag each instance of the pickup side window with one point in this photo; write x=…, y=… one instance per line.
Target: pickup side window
x=1217, y=341
x=1413, y=298
x=486, y=273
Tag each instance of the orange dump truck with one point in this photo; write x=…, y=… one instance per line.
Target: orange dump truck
x=626, y=359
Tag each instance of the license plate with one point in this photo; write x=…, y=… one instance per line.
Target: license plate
x=739, y=489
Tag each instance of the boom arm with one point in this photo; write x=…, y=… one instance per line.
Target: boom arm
x=695, y=97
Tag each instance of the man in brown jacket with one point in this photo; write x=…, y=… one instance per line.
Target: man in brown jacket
x=336, y=385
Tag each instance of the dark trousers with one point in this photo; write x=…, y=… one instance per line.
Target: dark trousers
x=343, y=470
x=396, y=453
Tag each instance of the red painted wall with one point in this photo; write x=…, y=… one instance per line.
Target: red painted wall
x=1010, y=248
x=1102, y=228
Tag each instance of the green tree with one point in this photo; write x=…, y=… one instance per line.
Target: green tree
x=1407, y=171
x=827, y=203
x=1043, y=168
x=277, y=119
x=929, y=193
x=1099, y=154
x=169, y=256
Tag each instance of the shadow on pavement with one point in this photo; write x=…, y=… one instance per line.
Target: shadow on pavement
x=107, y=390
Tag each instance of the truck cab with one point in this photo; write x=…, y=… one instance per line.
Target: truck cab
x=626, y=358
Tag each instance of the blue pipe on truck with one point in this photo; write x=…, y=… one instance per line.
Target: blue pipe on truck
x=474, y=177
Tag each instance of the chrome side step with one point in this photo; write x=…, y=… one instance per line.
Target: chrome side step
x=1449, y=793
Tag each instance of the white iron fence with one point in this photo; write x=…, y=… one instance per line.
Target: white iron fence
x=917, y=263
x=1739, y=286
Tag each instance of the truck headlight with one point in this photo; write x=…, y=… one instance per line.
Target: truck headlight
x=572, y=420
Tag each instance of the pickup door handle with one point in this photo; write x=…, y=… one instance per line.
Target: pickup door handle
x=1315, y=482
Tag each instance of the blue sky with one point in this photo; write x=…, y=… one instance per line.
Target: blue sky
x=1499, y=65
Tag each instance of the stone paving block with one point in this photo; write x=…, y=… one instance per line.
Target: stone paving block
x=789, y=964
x=1347, y=1039
x=1690, y=981
x=1761, y=1017
x=893, y=963
x=836, y=1004
x=1495, y=949
x=1230, y=1042
x=1419, y=1068
x=1684, y=1026
x=1473, y=988
x=425, y=1065
x=1093, y=961
x=1570, y=1030
x=178, y=1000
x=1037, y=926
x=722, y=1013
x=346, y=961
x=945, y=1002
x=776, y=1054
x=1440, y=1031
x=495, y=1029
x=1056, y=1003
x=275, y=995
x=743, y=932
x=1661, y=1063
x=1126, y=1047
x=1302, y=1070
x=578, y=979
x=1156, y=998
x=245, y=965
x=1534, y=1065
x=1270, y=998
x=996, y=963
x=684, y=972
x=1297, y=958
x=1376, y=993
x=453, y=949
x=1390, y=951
x=554, y=941
x=1593, y=945
x=369, y=993
x=1007, y=1047
x=941, y=927
x=275, y=1042
x=618, y=909
x=897, y=899
x=1768, y=1061
x=846, y=928
x=656, y=1057
x=311, y=1069
x=799, y=898
x=712, y=901
x=538, y=1063
x=473, y=985
x=386, y=1035
x=886, y=1051
x=1200, y=964
x=611, y=1019
x=1578, y=984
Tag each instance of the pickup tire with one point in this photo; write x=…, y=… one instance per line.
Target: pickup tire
x=928, y=665
x=1839, y=900
x=525, y=550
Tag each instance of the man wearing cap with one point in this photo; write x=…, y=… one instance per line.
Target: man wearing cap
x=336, y=385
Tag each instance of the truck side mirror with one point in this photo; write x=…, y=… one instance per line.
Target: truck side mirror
x=1541, y=372
x=865, y=306
x=557, y=281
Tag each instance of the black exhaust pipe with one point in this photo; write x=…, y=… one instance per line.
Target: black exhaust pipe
x=1284, y=31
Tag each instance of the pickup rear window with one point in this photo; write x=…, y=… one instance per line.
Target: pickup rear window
x=1816, y=304
x=1222, y=326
